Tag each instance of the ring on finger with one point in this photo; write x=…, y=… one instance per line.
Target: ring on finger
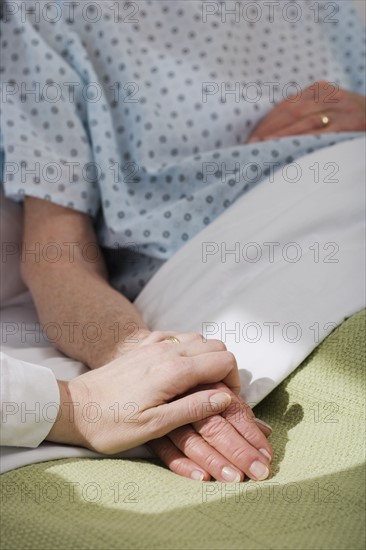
x=325, y=120
x=172, y=339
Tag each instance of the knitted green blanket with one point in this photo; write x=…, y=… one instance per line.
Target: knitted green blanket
x=315, y=498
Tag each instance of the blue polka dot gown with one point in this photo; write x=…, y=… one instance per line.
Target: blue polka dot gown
x=138, y=113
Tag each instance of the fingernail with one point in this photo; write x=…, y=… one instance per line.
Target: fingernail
x=266, y=454
x=196, y=474
x=259, y=470
x=258, y=421
x=220, y=399
x=230, y=475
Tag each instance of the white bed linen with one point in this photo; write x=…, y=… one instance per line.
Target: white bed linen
x=308, y=297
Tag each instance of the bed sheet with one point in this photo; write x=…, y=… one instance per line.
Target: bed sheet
x=271, y=314
x=313, y=500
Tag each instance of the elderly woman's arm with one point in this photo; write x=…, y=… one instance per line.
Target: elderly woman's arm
x=91, y=318
x=74, y=293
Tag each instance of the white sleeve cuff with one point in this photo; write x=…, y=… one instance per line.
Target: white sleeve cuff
x=30, y=401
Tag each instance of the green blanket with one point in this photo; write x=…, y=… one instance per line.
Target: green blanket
x=314, y=499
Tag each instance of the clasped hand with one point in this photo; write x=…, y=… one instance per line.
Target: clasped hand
x=180, y=398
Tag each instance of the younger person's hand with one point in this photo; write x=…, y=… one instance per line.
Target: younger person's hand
x=225, y=446
x=140, y=395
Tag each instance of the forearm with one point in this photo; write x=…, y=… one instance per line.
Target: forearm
x=86, y=318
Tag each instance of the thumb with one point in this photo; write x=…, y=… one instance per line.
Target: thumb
x=192, y=408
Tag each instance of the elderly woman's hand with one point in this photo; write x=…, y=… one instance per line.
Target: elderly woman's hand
x=224, y=446
x=140, y=395
x=321, y=108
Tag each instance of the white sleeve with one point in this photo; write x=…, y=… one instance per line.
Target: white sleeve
x=30, y=401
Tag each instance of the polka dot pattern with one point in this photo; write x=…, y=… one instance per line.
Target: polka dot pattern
x=141, y=120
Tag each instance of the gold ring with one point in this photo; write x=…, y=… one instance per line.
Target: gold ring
x=325, y=119
x=173, y=339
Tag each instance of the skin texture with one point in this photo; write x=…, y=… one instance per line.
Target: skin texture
x=299, y=115
x=74, y=291
x=199, y=448
x=139, y=396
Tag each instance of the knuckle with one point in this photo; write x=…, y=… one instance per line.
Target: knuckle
x=315, y=121
x=167, y=453
x=247, y=412
x=178, y=466
x=233, y=411
x=196, y=336
x=211, y=428
x=240, y=455
x=243, y=455
x=220, y=345
x=194, y=409
x=158, y=335
x=175, y=369
x=239, y=412
x=211, y=462
x=230, y=358
x=187, y=440
x=249, y=432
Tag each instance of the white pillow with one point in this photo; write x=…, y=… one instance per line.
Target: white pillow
x=272, y=310
x=11, y=229
x=189, y=291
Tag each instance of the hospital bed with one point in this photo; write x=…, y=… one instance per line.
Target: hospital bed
x=311, y=390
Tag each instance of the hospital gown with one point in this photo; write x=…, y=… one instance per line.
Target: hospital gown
x=138, y=113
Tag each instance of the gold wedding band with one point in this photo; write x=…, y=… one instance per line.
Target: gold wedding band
x=325, y=119
x=173, y=339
